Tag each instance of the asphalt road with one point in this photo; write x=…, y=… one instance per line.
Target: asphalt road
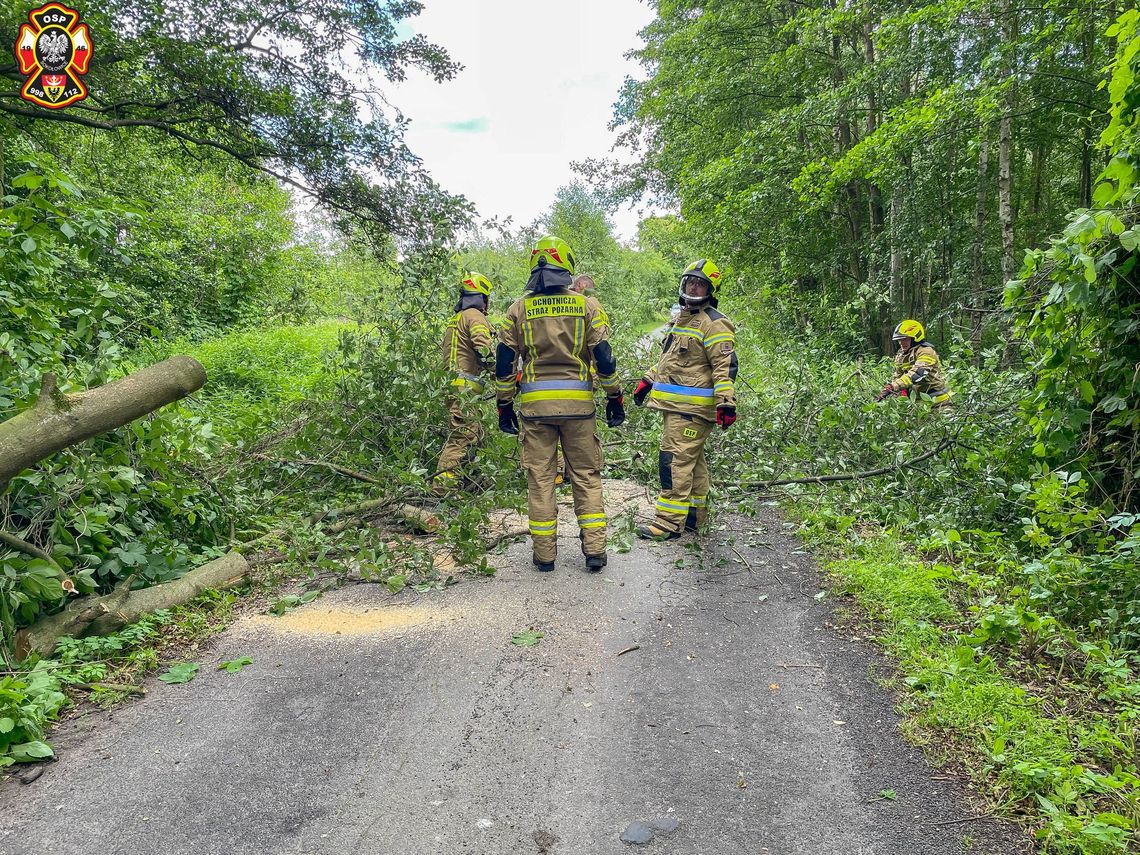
x=372, y=723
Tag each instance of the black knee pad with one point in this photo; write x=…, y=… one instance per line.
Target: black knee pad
x=665, y=469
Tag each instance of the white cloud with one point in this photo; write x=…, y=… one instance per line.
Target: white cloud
x=536, y=93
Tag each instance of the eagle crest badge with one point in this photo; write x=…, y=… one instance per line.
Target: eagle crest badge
x=54, y=51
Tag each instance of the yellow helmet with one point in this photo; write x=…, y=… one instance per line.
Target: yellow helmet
x=476, y=283
x=552, y=252
x=909, y=329
x=706, y=271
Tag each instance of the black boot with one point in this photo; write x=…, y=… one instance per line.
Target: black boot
x=594, y=563
x=543, y=566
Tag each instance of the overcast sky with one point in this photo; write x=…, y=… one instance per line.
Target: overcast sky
x=536, y=93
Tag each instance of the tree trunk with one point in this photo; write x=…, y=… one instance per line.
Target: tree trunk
x=101, y=615
x=875, y=196
x=57, y=421
x=1005, y=195
x=898, y=302
x=1005, y=150
x=843, y=142
x=1005, y=160
x=1086, y=166
x=979, y=272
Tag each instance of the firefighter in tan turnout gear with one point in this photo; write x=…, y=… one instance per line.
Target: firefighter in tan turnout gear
x=468, y=353
x=918, y=367
x=559, y=336
x=693, y=387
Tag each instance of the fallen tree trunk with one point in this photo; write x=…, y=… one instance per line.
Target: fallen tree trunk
x=57, y=421
x=101, y=615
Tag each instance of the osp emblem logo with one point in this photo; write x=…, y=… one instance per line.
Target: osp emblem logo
x=54, y=52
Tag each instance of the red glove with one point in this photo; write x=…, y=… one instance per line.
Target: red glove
x=903, y=393
x=725, y=416
x=641, y=391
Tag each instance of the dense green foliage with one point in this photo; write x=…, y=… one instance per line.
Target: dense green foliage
x=865, y=162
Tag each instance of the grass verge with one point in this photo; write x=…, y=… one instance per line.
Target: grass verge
x=1056, y=749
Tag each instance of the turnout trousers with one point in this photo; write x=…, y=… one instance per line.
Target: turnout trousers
x=684, y=473
x=463, y=439
x=582, y=450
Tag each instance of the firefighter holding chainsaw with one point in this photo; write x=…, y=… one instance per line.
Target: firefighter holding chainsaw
x=693, y=388
x=559, y=336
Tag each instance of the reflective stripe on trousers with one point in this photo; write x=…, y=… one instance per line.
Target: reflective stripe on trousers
x=469, y=380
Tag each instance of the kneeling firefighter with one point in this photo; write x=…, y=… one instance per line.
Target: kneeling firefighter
x=468, y=352
x=918, y=368
x=693, y=387
x=559, y=336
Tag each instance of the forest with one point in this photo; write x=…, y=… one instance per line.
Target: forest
x=973, y=164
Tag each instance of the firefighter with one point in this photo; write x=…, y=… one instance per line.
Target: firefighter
x=693, y=387
x=918, y=367
x=468, y=352
x=559, y=336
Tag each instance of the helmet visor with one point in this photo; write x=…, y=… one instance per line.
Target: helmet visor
x=695, y=287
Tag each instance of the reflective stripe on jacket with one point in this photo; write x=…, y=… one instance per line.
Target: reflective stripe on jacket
x=698, y=366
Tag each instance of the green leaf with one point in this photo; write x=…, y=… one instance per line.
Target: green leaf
x=28, y=245
x=1090, y=268
x=7, y=725
x=181, y=672
x=27, y=752
x=891, y=795
x=529, y=638
x=396, y=583
x=235, y=665
x=67, y=230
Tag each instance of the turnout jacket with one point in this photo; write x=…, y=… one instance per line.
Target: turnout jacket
x=697, y=370
x=920, y=369
x=467, y=348
x=559, y=336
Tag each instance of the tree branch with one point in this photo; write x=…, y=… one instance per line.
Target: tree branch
x=946, y=443
x=30, y=549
